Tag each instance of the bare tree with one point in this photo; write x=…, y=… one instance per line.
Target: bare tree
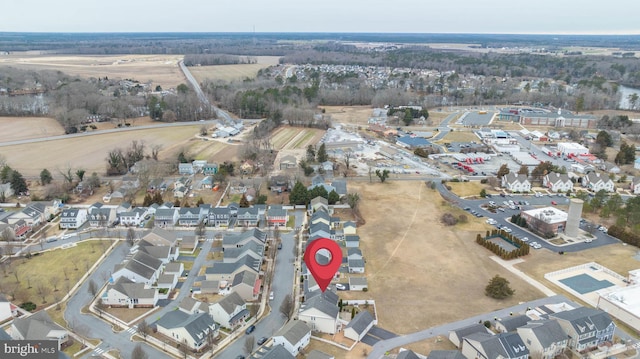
x=131, y=236
x=100, y=307
x=286, y=308
x=65, y=272
x=54, y=280
x=347, y=160
x=155, y=150
x=144, y=329
x=249, y=342
x=93, y=288
x=43, y=290
x=200, y=229
x=139, y=353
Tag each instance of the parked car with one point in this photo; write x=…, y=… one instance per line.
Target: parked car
x=554, y=203
x=271, y=296
x=250, y=329
x=525, y=239
x=507, y=229
x=262, y=340
x=340, y=286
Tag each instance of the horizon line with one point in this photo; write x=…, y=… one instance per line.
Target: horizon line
x=332, y=32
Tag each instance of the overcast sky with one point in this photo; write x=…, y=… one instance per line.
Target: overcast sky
x=413, y=16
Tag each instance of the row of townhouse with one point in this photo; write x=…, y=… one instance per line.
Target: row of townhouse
x=581, y=329
x=558, y=182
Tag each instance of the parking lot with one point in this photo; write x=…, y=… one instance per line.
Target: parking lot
x=475, y=118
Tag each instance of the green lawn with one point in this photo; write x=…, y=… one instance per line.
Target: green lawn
x=49, y=275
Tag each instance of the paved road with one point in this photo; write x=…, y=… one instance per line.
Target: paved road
x=282, y=285
x=201, y=95
x=443, y=128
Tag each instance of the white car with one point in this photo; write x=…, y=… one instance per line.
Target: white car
x=525, y=239
x=340, y=286
x=507, y=229
x=588, y=240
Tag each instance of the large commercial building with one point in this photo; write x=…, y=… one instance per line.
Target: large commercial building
x=558, y=119
x=624, y=303
x=547, y=220
x=572, y=149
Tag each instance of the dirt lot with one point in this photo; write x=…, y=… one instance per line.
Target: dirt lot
x=415, y=264
x=359, y=116
x=233, y=72
x=157, y=69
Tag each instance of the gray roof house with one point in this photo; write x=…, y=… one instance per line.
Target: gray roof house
x=239, y=240
x=230, y=311
x=444, y=354
x=511, y=323
x=275, y=352
x=316, y=354
x=407, y=354
x=545, y=337
x=192, y=330
x=226, y=271
x=320, y=311
x=455, y=336
x=500, y=346
x=294, y=336
x=340, y=187
x=359, y=326
x=586, y=327
x=126, y=293
x=161, y=237
x=252, y=248
x=38, y=326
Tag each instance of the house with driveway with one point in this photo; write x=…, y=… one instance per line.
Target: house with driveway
x=219, y=217
x=515, y=182
x=557, y=182
x=247, y=284
x=141, y=268
x=192, y=330
x=635, y=185
x=38, y=326
x=359, y=326
x=456, y=336
x=232, y=240
x=73, y=218
x=166, y=217
x=488, y=346
x=247, y=217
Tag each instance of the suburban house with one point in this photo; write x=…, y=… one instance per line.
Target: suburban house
x=359, y=326
x=230, y=311
x=226, y=271
x=586, y=327
x=219, y=217
x=408, y=354
x=6, y=190
x=435, y=354
x=354, y=253
x=38, y=326
x=320, y=216
x=186, y=169
x=279, y=184
x=101, y=217
x=132, y=218
x=294, y=336
x=487, y=346
x=516, y=182
x=188, y=244
x=349, y=228
x=320, y=311
x=247, y=217
x=557, y=182
x=130, y=182
x=192, y=306
x=73, y=218
x=253, y=249
x=277, y=352
x=174, y=268
x=510, y=323
x=192, y=330
x=124, y=207
x=34, y=214
x=141, y=268
x=356, y=265
x=161, y=237
x=545, y=337
x=277, y=216
x=316, y=354
x=247, y=285
x=128, y=294
x=165, y=254
x=455, y=336
x=596, y=181
x=635, y=185
x=320, y=230
x=287, y=162
x=166, y=217
x=210, y=169
x=7, y=309
x=340, y=186
x=238, y=240
x=188, y=216
x=352, y=241
x=358, y=283
x=317, y=204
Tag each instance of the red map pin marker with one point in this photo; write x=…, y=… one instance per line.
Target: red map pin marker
x=323, y=273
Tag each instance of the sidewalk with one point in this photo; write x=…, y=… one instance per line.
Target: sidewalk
x=509, y=265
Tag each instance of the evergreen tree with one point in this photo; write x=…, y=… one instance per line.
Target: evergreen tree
x=498, y=288
x=333, y=197
x=45, y=177
x=311, y=153
x=243, y=202
x=322, y=156
x=298, y=194
x=157, y=198
x=504, y=170
x=18, y=184
x=147, y=201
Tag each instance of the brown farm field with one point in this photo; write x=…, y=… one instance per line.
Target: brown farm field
x=233, y=72
x=89, y=152
x=295, y=138
x=155, y=69
x=22, y=128
x=416, y=264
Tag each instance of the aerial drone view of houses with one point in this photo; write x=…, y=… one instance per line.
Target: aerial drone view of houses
x=501, y=231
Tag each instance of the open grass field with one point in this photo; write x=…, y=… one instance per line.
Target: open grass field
x=89, y=152
x=233, y=72
x=459, y=136
x=465, y=189
x=359, y=116
x=155, y=69
x=37, y=272
x=22, y=128
x=417, y=265
x=295, y=138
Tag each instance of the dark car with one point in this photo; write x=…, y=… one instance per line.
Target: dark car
x=279, y=245
x=250, y=329
x=262, y=340
x=240, y=357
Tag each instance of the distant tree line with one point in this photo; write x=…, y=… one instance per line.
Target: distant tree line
x=217, y=59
